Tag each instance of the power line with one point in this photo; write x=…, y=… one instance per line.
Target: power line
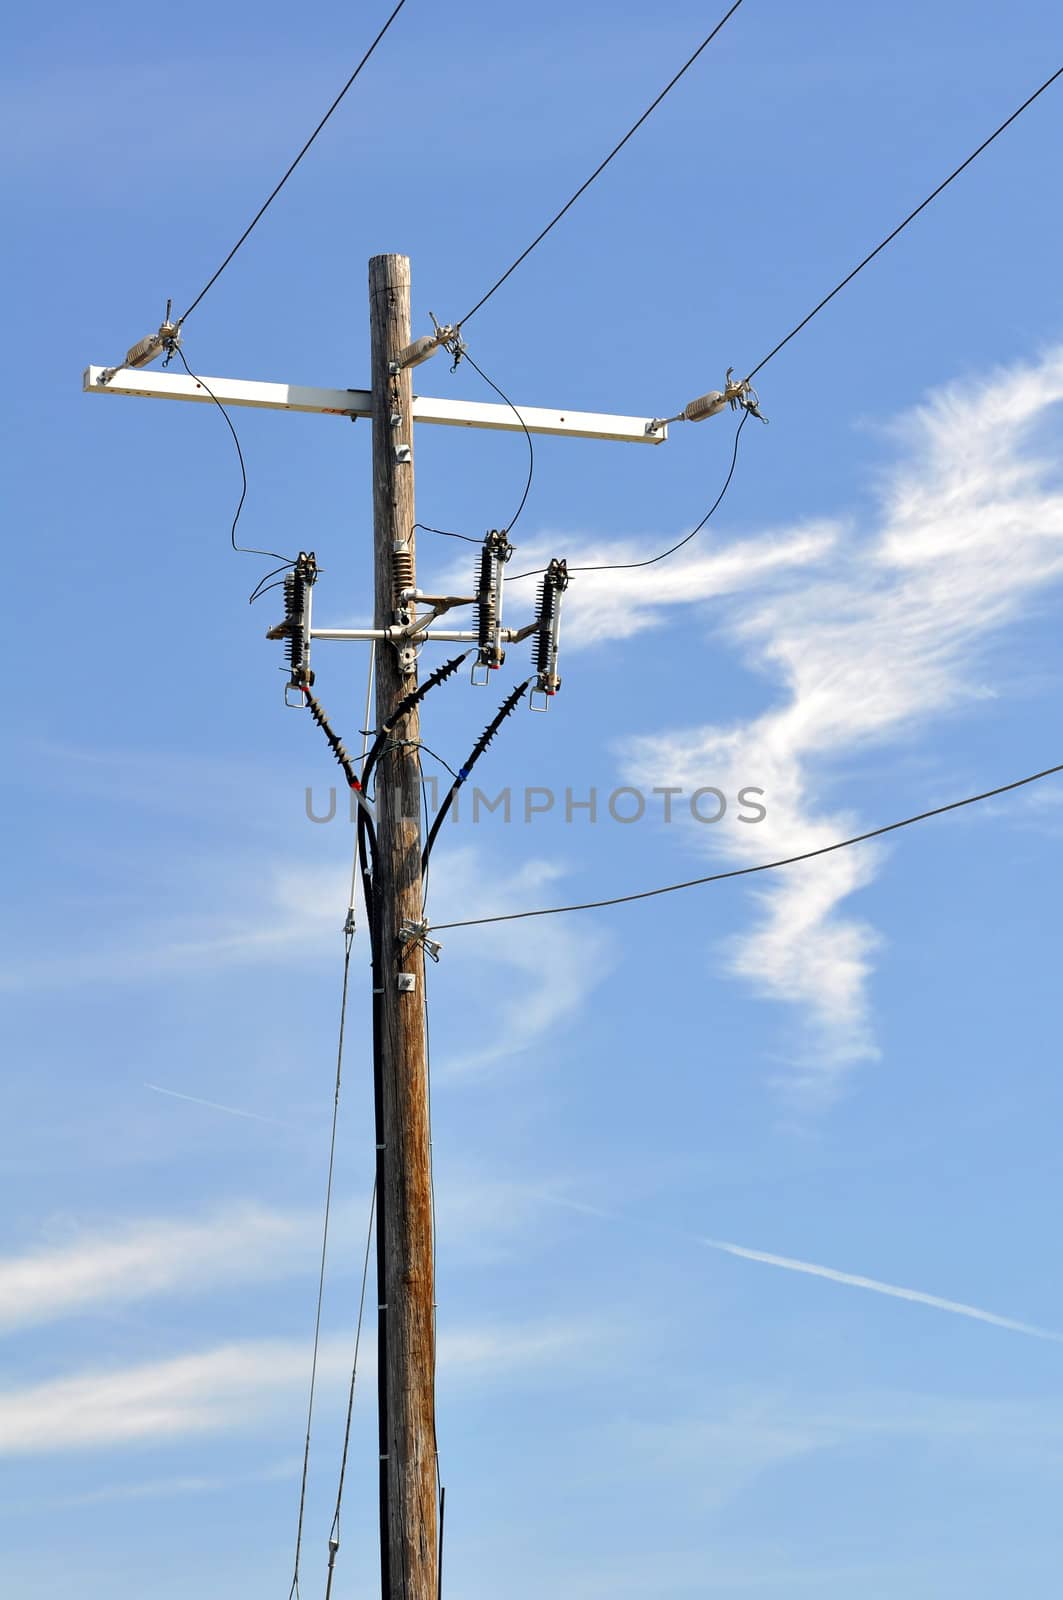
x=601, y=168
x=260, y=213
x=838, y=287
x=347, y=943
x=624, y=566
x=743, y=872
x=242, y=549
x=465, y=356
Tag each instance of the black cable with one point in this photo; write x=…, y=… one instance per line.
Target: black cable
x=765, y=866
x=334, y=1533
x=531, y=448
x=448, y=533
x=348, y=942
x=508, y=705
x=601, y=168
x=265, y=207
x=902, y=225
x=406, y=704
x=623, y=566
x=242, y=549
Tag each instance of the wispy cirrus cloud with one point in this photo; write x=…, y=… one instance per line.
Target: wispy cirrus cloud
x=966, y=532
x=247, y=1384
x=147, y=1258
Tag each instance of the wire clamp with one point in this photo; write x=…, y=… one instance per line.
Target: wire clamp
x=416, y=933
x=449, y=338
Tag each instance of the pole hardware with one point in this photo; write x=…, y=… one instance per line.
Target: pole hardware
x=295, y=629
x=493, y=557
x=547, y=632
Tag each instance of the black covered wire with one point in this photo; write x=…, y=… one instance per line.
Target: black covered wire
x=623, y=566
x=260, y=213
x=531, y=448
x=838, y=287
x=509, y=704
x=447, y=533
x=669, y=86
x=242, y=549
x=764, y=866
x=347, y=944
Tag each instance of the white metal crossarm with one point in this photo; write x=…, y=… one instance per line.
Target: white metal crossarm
x=359, y=403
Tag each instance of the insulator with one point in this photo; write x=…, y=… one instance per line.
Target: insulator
x=295, y=629
x=418, y=351
x=706, y=405
x=143, y=352
x=401, y=571
x=496, y=552
x=545, y=646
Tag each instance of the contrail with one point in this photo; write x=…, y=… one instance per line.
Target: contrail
x=856, y=1281
x=232, y=1111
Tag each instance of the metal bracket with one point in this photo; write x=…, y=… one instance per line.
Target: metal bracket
x=411, y=932
x=403, y=452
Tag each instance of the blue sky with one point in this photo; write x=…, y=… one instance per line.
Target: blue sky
x=849, y=1065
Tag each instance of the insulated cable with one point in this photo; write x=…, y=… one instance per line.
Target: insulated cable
x=622, y=566
x=242, y=549
x=508, y=705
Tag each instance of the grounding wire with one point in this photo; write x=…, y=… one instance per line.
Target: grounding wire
x=334, y=1532
x=764, y=866
x=347, y=944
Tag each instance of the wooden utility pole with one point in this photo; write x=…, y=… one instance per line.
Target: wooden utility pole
x=405, y=1269
x=405, y=1272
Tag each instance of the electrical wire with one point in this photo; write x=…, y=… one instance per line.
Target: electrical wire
x=743, y=872
x=506, y=709
x=625, y=566
x=242, y=549
x=347, y=943
x=602, y=166
x=260, y=213
x=334, y=1532
x=447, y=533
x=838, y=287
x=511, y=524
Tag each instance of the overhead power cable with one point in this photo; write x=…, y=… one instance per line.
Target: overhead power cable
x=744, y=872
x=260, y=213
x=624, y=566
x=508, y=705
x=838, y=287
x=669, y=86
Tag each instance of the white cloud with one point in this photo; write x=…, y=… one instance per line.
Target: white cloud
x=968, y=529
x=149, y=1258
x=246, y=1384
x=608, y=606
